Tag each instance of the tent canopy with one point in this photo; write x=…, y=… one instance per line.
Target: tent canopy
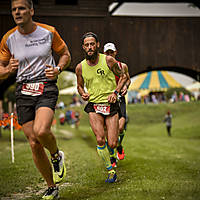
x=154, y=81
x=195, y=87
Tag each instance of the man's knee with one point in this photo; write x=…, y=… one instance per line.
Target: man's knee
x=34, y=144
x=112, y=144
x=41, y=132
x=100, y=140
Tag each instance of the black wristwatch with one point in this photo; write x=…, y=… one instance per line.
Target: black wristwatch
x=115, y=92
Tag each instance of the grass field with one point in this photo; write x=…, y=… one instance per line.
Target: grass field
x=156, y=166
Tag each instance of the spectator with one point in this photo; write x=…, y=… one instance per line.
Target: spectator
x=62, y=118
x=168, y=122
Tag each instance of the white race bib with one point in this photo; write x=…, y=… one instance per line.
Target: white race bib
x=102, y=108
x=32, y=89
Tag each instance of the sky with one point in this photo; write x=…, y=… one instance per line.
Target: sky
x=156, y=9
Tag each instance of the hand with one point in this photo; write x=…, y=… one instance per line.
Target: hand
x=112, y=98
x=124, y=90
x=51, y=72
x=85, y=96
x=13, y=64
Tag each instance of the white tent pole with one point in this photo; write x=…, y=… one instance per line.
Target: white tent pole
x=12, y=139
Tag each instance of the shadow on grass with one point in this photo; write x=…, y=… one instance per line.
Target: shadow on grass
x=88, y=138
x=90, y=192
x=16, y=139
x=186, y=137
x=90, y=141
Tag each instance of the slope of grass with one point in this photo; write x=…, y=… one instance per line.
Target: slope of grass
x=156, y=167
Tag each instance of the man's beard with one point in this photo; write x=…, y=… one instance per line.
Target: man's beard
x=93, y=56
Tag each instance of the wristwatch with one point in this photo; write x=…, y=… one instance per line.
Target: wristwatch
x=59, y=69
x=115, y=92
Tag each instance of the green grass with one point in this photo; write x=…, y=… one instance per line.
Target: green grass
x=156, y=167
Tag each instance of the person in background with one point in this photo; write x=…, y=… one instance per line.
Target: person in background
x=62, y=118
x=168, y=122
x=27, y=51
x=110, y=49
x=77, y=118
x=97, y=72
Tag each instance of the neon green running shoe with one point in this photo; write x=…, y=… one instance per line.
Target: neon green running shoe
x=51, y=193
x=59, y=169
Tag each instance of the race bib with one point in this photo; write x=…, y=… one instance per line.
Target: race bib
x=32, y=89
x=102, y=109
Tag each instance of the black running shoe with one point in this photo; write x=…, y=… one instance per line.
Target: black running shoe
x=51, y=193
x=113, y=161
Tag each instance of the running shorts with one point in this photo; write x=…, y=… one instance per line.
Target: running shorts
x=27, y=105
x=122, y=103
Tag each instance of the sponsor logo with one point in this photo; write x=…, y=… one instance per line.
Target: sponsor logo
x=100, y=71
x=37, y=42
x=61, y=176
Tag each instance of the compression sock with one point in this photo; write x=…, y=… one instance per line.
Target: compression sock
x=104, y=154
x=121, y=137
x=113, y=152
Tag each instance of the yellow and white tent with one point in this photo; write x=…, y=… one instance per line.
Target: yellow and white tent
x=154, y=81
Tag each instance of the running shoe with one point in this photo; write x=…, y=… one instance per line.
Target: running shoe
x=120, y=153
x=112, y=177
x=113, y=161
x=51, y=193
x=59, y=169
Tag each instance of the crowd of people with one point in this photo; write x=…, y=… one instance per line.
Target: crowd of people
x=159, y=97
x=71, y=117
x=181, y=97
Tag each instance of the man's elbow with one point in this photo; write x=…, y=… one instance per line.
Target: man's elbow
x=69, y=59
x=124, y=77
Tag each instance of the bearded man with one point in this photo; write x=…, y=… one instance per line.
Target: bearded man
x=97, y=73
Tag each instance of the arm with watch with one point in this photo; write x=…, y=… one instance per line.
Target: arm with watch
x=123, y=78
x=125, y=87
x=64, y=61
x=113, y=97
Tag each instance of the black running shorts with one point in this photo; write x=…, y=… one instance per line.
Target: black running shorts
x=122, y=103
x=114, y=108
x=27, y=105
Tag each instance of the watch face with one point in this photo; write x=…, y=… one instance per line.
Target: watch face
x=59, y=69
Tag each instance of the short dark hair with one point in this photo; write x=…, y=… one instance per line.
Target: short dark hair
x=29, y=2
x=90, y=34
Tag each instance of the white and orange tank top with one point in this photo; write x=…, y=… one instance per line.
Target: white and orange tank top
x=33, y=50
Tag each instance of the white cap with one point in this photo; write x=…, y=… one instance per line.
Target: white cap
x=109, y=46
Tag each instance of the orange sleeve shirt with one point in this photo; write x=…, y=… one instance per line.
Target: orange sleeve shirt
x=33, y=50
